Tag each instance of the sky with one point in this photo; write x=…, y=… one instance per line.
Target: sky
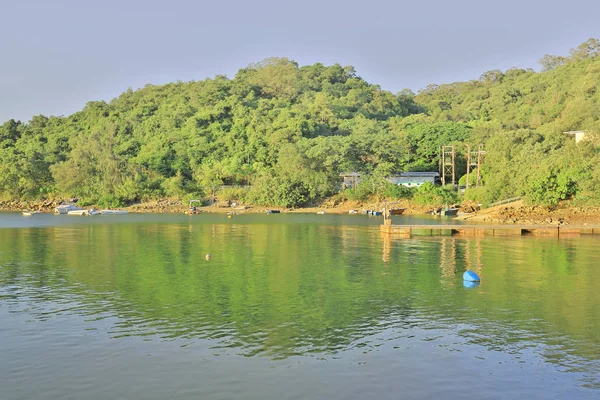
x=58, y=55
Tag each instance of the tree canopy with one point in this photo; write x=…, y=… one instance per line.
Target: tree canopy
x=290, y=130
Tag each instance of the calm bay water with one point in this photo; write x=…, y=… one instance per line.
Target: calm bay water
x=290, y=307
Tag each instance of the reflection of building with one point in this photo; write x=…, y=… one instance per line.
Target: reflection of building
x=414, y=179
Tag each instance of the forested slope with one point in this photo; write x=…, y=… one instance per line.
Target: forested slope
x=289, y=131
x=520, y=116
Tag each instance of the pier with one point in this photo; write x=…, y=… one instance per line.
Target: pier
x=488, y=230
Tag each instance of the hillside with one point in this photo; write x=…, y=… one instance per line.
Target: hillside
x=289, y=131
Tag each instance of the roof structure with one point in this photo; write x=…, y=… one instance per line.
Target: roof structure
x=420, y=174
x=579, y=135
x=356, y=174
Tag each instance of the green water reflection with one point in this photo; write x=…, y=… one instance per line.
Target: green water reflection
x=281, y=290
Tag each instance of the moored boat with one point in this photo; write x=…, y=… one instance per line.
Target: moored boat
x=397, y=211
x=83, y=212
x=374, y=213
x=65, y=208
x=194, y=207
x=445, y=212
x=113, y=212
x=30, y=213
x=77, y=212
x=449, y=212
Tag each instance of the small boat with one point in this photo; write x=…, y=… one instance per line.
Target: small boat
x=397, y=211
x=194, y=207
x=65, y=208
x=374, y=213
x=83, y=212
x=273, y=211
x=320, y=212
x=30, y=213
x=353, y=212
x=113, y=212
x=77, y=212
x=449, y=212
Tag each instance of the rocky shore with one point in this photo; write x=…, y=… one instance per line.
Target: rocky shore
x=514, y=213
x=519, y=213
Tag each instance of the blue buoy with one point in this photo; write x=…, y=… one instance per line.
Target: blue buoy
x=470, y=276
x=470, y=285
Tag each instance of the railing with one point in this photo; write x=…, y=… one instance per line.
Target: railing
x=505, y=201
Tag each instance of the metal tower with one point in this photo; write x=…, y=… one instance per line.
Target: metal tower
x=474, y=160
x=447, y=164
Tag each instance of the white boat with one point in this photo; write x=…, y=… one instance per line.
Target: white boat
x=30, y=213
x=65, y=208
x=83, y=212
x=320, y=212
x=113, y=212
x=77, y=212
x=353, y=212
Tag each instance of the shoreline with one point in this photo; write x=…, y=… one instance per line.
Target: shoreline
x=516, y=213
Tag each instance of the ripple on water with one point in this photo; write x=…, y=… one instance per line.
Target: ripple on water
x=290, y=293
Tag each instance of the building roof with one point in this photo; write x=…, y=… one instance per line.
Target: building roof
x=579, y=135
x=416, y=180
x=419, y=174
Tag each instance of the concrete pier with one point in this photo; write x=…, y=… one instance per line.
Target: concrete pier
x=488, y=230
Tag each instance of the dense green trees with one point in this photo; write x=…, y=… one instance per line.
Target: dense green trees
x=289, y=131
x=521, y=115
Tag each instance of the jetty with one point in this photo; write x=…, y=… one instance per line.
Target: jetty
x=487, y=230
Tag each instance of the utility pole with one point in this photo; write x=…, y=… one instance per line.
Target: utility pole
x=447, y=162
x=474, y=160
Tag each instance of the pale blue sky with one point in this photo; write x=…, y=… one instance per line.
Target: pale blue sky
x=57, y=55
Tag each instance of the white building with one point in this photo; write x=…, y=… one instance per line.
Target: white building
x=579, y=135
x=414, y=179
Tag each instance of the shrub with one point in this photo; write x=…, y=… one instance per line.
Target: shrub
x=397, y=191
x=428, y=195
x=276, y=191
x=361, y=192
x=478, y=195
x=548, y=186
x=233, y=193
x=110, y=201
x=87, y=201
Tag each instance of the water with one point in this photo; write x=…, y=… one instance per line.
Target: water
x=290, y=307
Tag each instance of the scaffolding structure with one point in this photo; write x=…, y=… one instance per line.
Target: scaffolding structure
x=447, y=164
x=474, y=160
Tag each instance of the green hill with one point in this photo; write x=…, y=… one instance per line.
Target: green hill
x=289, y=131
